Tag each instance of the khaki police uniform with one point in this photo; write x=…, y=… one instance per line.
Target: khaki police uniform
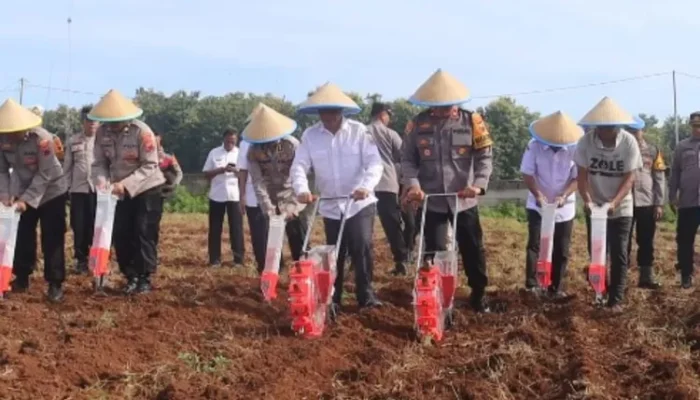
x=684, y=193
x=36, y=179
x=648, y=194
x=83, y=199
x=445, y=155
x=130, y=157
x=268, y=166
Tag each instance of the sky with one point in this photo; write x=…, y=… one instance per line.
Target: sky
x=368, y=46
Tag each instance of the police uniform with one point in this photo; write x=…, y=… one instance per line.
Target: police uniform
x=130, y=157
x=172, y=173
x=37, y=180
x=648, y=193
x=83, y=200
x=684, y=194
x=445, y=153
x=268, y=165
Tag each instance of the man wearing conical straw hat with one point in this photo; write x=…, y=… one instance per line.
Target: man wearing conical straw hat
x=126, y=160
x=684, y=197
x=549, y=172
x=345, y=161
x=37, y=189
x=270, y=158
x=449, y=151
x=608, y=159
x=648, y=197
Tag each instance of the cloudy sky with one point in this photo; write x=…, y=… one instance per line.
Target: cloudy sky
x=387, y=46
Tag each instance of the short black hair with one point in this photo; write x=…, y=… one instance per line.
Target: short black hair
x=230, y=131
x=85, y=111
x=378, y=108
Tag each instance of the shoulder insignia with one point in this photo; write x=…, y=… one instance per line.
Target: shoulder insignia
x=58, y=146
x=45, y=146
x=482, y=137
x=149, y=142
x=659, y=164
x=409, y=127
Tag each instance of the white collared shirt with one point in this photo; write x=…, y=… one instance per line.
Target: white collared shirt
x=553, y=171
x=224, y=187
x=250, y=199
x=342, y=162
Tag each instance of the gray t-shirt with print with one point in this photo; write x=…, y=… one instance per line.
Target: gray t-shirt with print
x=607, y=167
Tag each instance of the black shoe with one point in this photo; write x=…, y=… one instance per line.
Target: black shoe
x=144, y=285
x=652, y=285
x=55, y=293
x=20, y=284
x=372, y=303
x=687, y=282
x=131, y=287
x=81, y=268
x=215, y=264
x=477, y=302
x=399, y=269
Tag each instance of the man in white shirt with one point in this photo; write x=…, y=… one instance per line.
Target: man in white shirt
x=549, y=172
x=222, y=172
x=249, y=206
x=346, y=162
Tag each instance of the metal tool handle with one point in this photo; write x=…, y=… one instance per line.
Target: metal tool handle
x=344, y=217
x=421, y=236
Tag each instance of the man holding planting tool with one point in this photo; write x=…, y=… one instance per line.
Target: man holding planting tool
x=345, y=161
x=549, y=172
x=449, y=150
x=608, y=159
x=36, y=187
x=270, y=159
x=126, y=161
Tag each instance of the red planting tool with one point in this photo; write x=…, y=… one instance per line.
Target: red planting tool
x=102, y=238
x=9, y=223
x=273, y=254
x=436, y=282
x=544, y=262
x=597, y=271
x=311, y=279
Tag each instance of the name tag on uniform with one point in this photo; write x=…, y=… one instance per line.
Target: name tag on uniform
x=7, y=146
x=30, y=160
x=76, y=147
x=131, y=154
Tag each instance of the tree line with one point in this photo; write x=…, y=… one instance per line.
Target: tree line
x=192, y=124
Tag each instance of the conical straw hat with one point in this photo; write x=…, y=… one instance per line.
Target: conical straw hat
x=607, y=113
x=257, y=108
x=114, y=107
x=556, y=129
x=15, y=118
x=441, y=89
x=329, y=96
x=638, y=124
x=268, y=125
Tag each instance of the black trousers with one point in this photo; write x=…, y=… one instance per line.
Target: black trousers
x=82, y=222
x=295, y=230
x=136, y=224
x=644, y=226
x=235, y=230
x=469, y=239
x=560, y=250
x=52, y=218
x=617, y=242
x=686, y=228
x=390, y=216
x=357, y=242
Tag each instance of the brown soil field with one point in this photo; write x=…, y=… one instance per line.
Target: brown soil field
x=206, y=334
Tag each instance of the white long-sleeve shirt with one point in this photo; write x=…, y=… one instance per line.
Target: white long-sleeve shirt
x=342, y=162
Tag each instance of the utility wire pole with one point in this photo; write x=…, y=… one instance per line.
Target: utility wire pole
x=21, y=90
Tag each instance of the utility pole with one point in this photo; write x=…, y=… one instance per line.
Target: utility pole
x=21, y=90
x=675, y=107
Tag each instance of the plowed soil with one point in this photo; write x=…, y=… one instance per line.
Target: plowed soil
x=206, y=334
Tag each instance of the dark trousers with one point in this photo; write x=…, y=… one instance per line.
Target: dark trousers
x=82, y=222
x=644, y=226
x=469, y=239
x=235, y=230
x=617, y=240
x=686, y=228
x=52, y=218
x=295, y=230
x=390, y=216
x=357, y=242
x=410, y=227
x=560, y=250
x=135, y=235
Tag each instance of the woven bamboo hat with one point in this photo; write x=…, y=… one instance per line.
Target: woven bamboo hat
x=329, y=96
x=441, y=89
x=114, y=107
x=556, y=129
x=638, y=125
x=255, y=110
x=15, y=118
x=268, y=125
x=607, y=113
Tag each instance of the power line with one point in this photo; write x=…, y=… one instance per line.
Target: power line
x=583, y=86
x=61, y=89
x=687, y=75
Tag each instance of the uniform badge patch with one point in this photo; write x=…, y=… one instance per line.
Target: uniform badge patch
x=45, y=146
x=482, y=137
x=149, y=142
x=427, y=152
x=659, y=164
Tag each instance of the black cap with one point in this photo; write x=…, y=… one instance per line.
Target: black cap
x=84, y=112
x=378, y=108
x=695, y=118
